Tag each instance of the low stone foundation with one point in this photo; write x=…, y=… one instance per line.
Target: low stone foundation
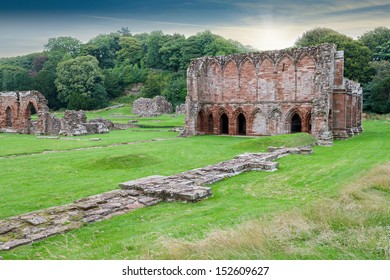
x=186, y=186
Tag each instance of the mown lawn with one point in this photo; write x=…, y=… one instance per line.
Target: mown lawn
x=34, y=182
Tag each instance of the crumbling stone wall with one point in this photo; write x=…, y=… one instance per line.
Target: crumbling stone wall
x=273, y=92
x=15, y=112
x=147, y=107
x=74, y=123
x=15, y=116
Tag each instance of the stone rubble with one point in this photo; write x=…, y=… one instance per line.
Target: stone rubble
x=147, y=107
x=189, y=186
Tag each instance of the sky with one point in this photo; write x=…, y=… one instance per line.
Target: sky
x=25, y=26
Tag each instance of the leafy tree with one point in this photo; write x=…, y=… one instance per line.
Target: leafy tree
x=170, y=52
x=63, y=45
x=104, y=48
x=378, y=41
x=124, y=31
x=80, y=83
x=44, y=83
x=130, y=49
x=154, y=42
x=176, y=90
x=377, y=92
x=14, y=78
x=356, y=56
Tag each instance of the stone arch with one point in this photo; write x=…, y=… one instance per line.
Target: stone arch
x=241, y=124
x=210, y=123
x=224, y=124
x=8, y=117
x=31, y=126
x=247, y=72
x=230, y=81
x=275, y=122
x=306, y=73
x=296, y=123
x=266, y=80
x=285, y=79
x=293, y=120
x=214, y=74
x=201, y=122
x=239, y=121
x=259, y=122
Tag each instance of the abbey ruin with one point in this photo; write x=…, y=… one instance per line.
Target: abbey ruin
x=17, y=108
x=274, y=92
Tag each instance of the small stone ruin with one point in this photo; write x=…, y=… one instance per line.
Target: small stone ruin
x=180, y=109
x=147, y=107
x=74, y=123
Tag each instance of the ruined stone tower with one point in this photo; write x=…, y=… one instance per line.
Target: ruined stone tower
x=274, y=92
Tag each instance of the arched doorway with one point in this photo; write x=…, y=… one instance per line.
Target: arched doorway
x=241, y=124
x=224, y=124
x=30, y=118
x=8, y=117
x=210, y=122
x=296, y=123
x=200, y=122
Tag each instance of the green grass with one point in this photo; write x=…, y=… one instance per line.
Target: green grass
x=33, y=182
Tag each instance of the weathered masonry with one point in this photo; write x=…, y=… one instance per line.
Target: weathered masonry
x=16, y=109
x=274, y=92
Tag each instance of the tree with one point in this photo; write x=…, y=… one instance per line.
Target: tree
x=356, y=55
x=14, y=78
x=104, y=48
x=154, y=42
x=130, y=49
x=80, y=83
x=377, y=92
x=378, y=41
x=64, y=44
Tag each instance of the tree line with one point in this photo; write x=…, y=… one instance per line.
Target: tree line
x=77, y=75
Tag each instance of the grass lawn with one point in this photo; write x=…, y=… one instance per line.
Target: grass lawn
x=28, y=183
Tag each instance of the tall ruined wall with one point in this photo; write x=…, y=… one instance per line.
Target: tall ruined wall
x=15, y=117
x=15, y=111
x=262, y=91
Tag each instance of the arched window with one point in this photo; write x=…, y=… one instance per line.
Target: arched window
x=296, y=123
x=224, y=124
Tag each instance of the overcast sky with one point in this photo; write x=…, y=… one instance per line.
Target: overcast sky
x=25, y=25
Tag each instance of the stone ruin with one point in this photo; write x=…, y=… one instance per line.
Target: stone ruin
x=147, y=107
x=180, y=109
x=74, y=123
x=188, y=186
x=274, y=92
x=16, y=109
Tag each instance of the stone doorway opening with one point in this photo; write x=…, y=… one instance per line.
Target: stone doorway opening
x=241, y=124
x=210, y=123
x=8, y=117
x=296, y=123
x=224, y=124
x=200, y=122
x=31, y=118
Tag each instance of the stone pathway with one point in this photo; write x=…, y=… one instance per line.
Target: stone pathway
x=187, y=186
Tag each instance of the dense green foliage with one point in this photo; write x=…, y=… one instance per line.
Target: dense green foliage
x=156, y=60
x=68, y=173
